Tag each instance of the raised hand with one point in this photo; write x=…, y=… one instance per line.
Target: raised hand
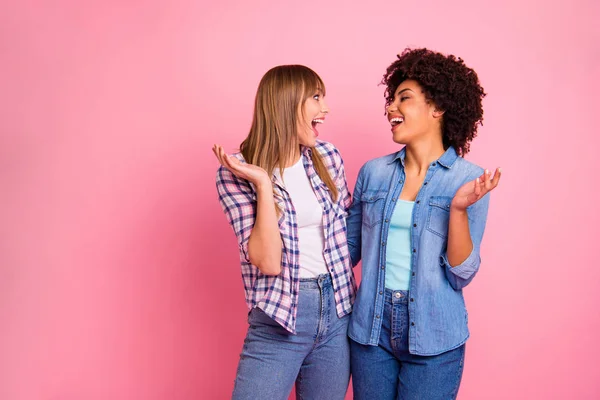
x=252, y=173
x=469, y=193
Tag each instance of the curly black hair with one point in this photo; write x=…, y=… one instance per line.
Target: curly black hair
x=449, y=84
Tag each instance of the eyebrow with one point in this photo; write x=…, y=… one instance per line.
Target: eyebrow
x=402, y=91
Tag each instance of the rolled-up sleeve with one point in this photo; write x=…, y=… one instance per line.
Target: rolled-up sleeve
x=238, y=200
x=461, y=275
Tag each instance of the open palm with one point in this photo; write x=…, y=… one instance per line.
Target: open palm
x=469, y=193
x=246, y=171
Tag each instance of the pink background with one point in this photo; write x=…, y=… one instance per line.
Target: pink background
x=119, y=276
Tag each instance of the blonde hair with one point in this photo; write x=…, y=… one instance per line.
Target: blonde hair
x=281, y=95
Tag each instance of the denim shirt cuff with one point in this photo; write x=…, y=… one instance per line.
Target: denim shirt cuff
x=466, y=269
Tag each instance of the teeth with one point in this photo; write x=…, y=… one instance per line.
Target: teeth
x=318, y=121
x=396, y=120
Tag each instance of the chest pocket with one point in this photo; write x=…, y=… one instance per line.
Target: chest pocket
x=439, y=215
x=373, y=203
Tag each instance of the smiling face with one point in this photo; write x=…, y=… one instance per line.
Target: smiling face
x=311, y=113
x=412, y=116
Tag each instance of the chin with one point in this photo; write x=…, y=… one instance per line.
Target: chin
x=399, y=139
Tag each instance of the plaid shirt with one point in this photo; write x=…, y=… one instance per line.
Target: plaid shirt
x=277, y=295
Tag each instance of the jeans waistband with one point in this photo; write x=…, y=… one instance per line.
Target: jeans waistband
x=396, y=296
x=314, y=283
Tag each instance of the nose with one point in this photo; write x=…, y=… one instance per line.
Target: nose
x=324, y=107
x=391, y=108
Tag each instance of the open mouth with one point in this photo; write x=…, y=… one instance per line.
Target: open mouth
x=315, y=122
x=396, y=121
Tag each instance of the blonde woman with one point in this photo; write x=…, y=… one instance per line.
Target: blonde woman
x=285, y=196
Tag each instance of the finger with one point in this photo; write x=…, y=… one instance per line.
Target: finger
x=488, y=180
x=477, y=187
x=497, y=176
x=231, y=164
x=224, y=159
x=220, y=153
x=214, y=150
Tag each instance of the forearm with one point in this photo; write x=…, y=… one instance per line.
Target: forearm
x=264, y=244
x=460, y=244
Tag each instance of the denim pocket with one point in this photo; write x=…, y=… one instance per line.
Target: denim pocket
x=372, y=207
x=439, y=215
x=257, y=319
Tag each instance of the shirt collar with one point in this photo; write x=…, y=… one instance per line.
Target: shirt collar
x=446, y=160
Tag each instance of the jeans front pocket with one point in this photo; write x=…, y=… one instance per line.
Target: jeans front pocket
x=261, y=322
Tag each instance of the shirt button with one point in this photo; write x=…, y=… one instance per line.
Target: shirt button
x=413, y=274
x=398, y=295
x=394, y=199
x=400, y=181
x=433, y=164
x=412, y=324
x=377, y=316
x=425, y=183
x=383, y=243
x=380, y=292
x=414, y=250
x=383, y=267
x=411, y=299
x=415, y=225
x=418, y=201
x=387, y=220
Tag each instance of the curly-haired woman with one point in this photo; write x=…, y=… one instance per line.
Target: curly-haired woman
x=416, y=222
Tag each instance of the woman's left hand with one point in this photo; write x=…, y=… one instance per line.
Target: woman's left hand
x=471, y=192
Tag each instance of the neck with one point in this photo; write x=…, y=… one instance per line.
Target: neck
x=419, y=156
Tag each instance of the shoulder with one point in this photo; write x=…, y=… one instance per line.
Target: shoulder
x=329, y=153
x=466, y=169
x=379, y=164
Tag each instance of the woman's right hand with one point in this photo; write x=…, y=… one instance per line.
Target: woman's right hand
x=257, y=175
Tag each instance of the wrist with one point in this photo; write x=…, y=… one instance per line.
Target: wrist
x=457, y=210
x=264, y=185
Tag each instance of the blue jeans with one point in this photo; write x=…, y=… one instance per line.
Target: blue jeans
x=389, y=371
x=317, y=358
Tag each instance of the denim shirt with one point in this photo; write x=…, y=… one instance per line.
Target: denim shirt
x=437, y=313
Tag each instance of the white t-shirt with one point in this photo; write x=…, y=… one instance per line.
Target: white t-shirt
x=309, y=215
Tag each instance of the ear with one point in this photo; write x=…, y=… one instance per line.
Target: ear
x=438, y=113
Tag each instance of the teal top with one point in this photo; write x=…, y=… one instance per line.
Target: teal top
x=398, y=254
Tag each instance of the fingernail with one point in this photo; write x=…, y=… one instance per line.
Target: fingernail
x=487, y=171
x=499, y=169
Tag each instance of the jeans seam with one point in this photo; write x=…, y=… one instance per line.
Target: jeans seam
x=299, y=386
x=459, y=375
x=237, y=372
